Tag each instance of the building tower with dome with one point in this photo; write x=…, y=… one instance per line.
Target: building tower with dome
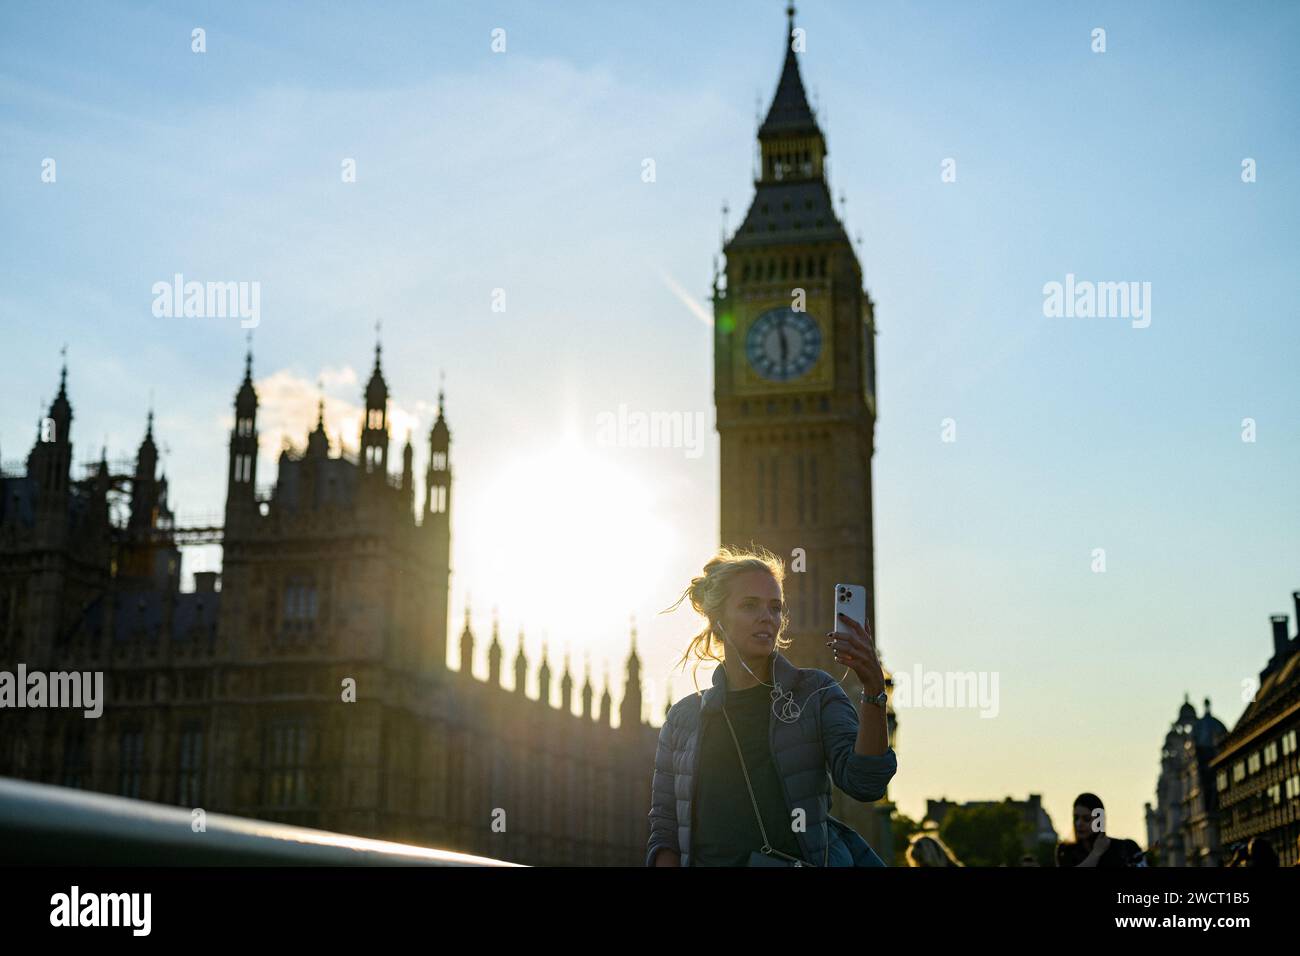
x=1182, y=827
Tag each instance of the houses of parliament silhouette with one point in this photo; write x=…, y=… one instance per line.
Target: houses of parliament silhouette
x=231, y=699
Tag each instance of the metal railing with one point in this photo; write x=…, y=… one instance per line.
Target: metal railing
x=48, y=825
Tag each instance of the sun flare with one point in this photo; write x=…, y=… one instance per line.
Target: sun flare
x=565, y=544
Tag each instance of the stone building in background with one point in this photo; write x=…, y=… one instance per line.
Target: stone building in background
x=309, y=685
x=1182, y=827
x=1257, y=769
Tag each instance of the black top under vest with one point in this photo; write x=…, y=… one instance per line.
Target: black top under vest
x=723, y=829
x=1118, y=853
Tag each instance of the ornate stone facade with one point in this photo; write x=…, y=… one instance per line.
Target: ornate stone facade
x=312, y=687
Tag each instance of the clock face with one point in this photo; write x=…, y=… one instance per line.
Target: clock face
x=783, y=344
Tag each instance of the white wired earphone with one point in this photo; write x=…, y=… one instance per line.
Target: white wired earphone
x=783, y=706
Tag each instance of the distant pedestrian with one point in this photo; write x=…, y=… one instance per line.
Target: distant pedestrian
x=1260, y=852
x=926, y=849
x=1091, y=846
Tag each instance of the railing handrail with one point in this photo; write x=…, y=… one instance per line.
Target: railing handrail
x=45, y=824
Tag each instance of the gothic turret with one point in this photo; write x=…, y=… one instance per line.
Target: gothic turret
x=521, y=667
x=435, y=525
x=606, y=703
x=50, y=461
x=374, y=432
x=408, y=477
x=60, y=418
x=467, y=648
x=144, y=484
x=629, y=712
x=587, y=693
x=494, y=656
x=544, y=679
x=437, y=479
x=566, y=687
x=241, y=478
x=318, y=442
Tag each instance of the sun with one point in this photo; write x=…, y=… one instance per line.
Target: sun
x=564, y=539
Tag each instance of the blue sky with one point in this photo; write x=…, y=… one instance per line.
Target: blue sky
x=522, y=171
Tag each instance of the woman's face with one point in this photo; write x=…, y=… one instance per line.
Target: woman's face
x=751, y=615
x=1083, y=831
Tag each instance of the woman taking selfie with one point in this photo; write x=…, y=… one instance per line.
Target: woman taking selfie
x=743, y=771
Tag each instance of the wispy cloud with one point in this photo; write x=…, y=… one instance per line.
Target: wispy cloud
x=693, y=304
x=289, y=406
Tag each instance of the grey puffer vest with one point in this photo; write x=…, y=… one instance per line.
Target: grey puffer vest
x=809, y=753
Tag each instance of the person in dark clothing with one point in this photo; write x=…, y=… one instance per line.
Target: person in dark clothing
x=1260, y=852
x=752, y=778
x=726, y=827
x=1092, y=847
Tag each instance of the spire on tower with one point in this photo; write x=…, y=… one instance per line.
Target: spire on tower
x=61, y=409
x=792, y=203
x=789, y=112
x=374, y=431
x=377, y=388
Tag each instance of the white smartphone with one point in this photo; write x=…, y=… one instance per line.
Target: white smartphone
x=850, y=599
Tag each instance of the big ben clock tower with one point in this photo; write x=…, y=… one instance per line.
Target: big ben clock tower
x=794, y=375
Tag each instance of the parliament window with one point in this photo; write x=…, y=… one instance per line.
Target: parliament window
x=74, y=756
x=190, y=764
x=287, y=778
x=130, y=762
x=299, y=602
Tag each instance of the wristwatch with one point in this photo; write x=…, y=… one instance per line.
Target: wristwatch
x=880, y=698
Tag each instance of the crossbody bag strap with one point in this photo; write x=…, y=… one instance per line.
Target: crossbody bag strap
x=826, y=825
x=767, y=845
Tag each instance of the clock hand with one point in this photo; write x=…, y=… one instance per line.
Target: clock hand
x=780, y=335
